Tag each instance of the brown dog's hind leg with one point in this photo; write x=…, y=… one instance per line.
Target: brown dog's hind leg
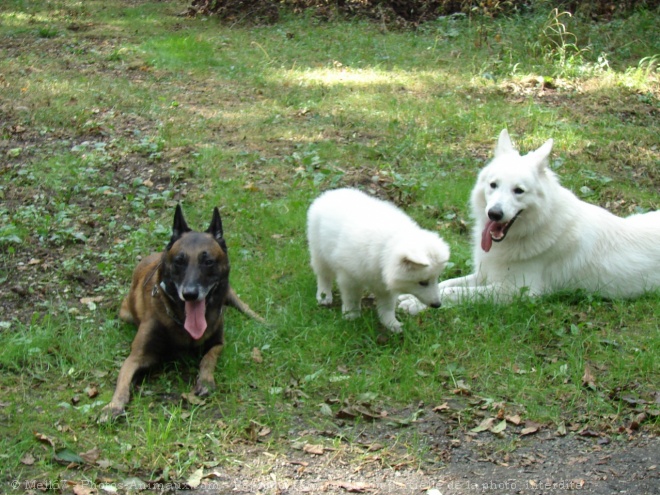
x=205, y=381
x=233, y=300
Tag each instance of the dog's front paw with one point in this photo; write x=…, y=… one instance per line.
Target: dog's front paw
x=111, y=413
x=204, y=388
x=410, y=304
x=395, y=326
x=324, y=299
x=351, y=314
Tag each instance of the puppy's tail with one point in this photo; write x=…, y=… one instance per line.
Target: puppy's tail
x=233, y=300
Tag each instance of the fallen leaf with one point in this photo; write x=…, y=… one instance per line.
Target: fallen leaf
x=530, y=428
x=485, y=425
x=28, y=459
x=192, y=399
x=499, y=427
x=639, y=419
x=353, y=487
x=91, y=392
x=256, y=355
x=83, y=490
x=133, y=484
x=461, y=388
x=91, y=456
x=265, y=431
x=588, y=379
x=45, y=439
x=514, y=420
x=67, y=456
x=313, y=449
x=195, y=479
x=326, y=410
x=561, y=430
x=441, y=407
x=88, y=300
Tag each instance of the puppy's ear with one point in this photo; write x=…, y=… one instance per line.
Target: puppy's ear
x=504, y=144
x=215, y=229
x=541, y=157
x=179, y=227
x=415, y=261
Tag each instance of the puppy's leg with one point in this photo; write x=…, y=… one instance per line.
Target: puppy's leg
x=205, y=381
x=385, y=304
x=324, y=278
x=138, y=359
x=351, y=295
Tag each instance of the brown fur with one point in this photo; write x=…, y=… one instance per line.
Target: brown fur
x=154, y=305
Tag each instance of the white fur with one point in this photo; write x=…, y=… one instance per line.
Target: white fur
x=557, y=242
x=366, y=243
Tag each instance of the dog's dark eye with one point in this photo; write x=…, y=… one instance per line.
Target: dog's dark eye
x=180, y=260
x=518, y=190
x=493, y=185
x=424, y=283
x=209, y=262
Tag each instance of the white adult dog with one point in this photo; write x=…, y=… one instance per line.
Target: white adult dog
x=366, y=243
x=535, y=236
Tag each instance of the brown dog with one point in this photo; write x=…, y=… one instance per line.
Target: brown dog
x=176, y=300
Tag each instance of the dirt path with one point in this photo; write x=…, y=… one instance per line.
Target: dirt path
x=542, y=464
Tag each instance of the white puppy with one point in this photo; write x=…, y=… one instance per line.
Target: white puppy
x=366, y=243
x=532, y=234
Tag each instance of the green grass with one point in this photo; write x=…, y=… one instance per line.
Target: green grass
x=106, y=126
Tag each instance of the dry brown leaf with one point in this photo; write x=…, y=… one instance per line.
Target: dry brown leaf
x=588, y=379
x=441, y=407
x=514, y=420
x=92, y=391
x=353, y=487
x=44, y=439
x=192, y=399
x=313, y=449
x=256, y=355
x=195, y=479
x=91, y=456
x=529, y=430
x=87, y=300
x=28, y=459
x=84, y=490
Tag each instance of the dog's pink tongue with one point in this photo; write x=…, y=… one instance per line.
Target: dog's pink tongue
x=195, y=322
x=486, y=239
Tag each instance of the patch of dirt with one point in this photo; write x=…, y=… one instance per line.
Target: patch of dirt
x=462, y=463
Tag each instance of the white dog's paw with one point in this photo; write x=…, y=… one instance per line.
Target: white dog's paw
x=351, y=314
x=410, y=304
x=324, y=299
x=395, y=327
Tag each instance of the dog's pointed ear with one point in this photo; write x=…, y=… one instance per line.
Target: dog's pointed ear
x=179, y=227
x=416, y=260
x=541, y=156
x=215, y=229
x=504, y=144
